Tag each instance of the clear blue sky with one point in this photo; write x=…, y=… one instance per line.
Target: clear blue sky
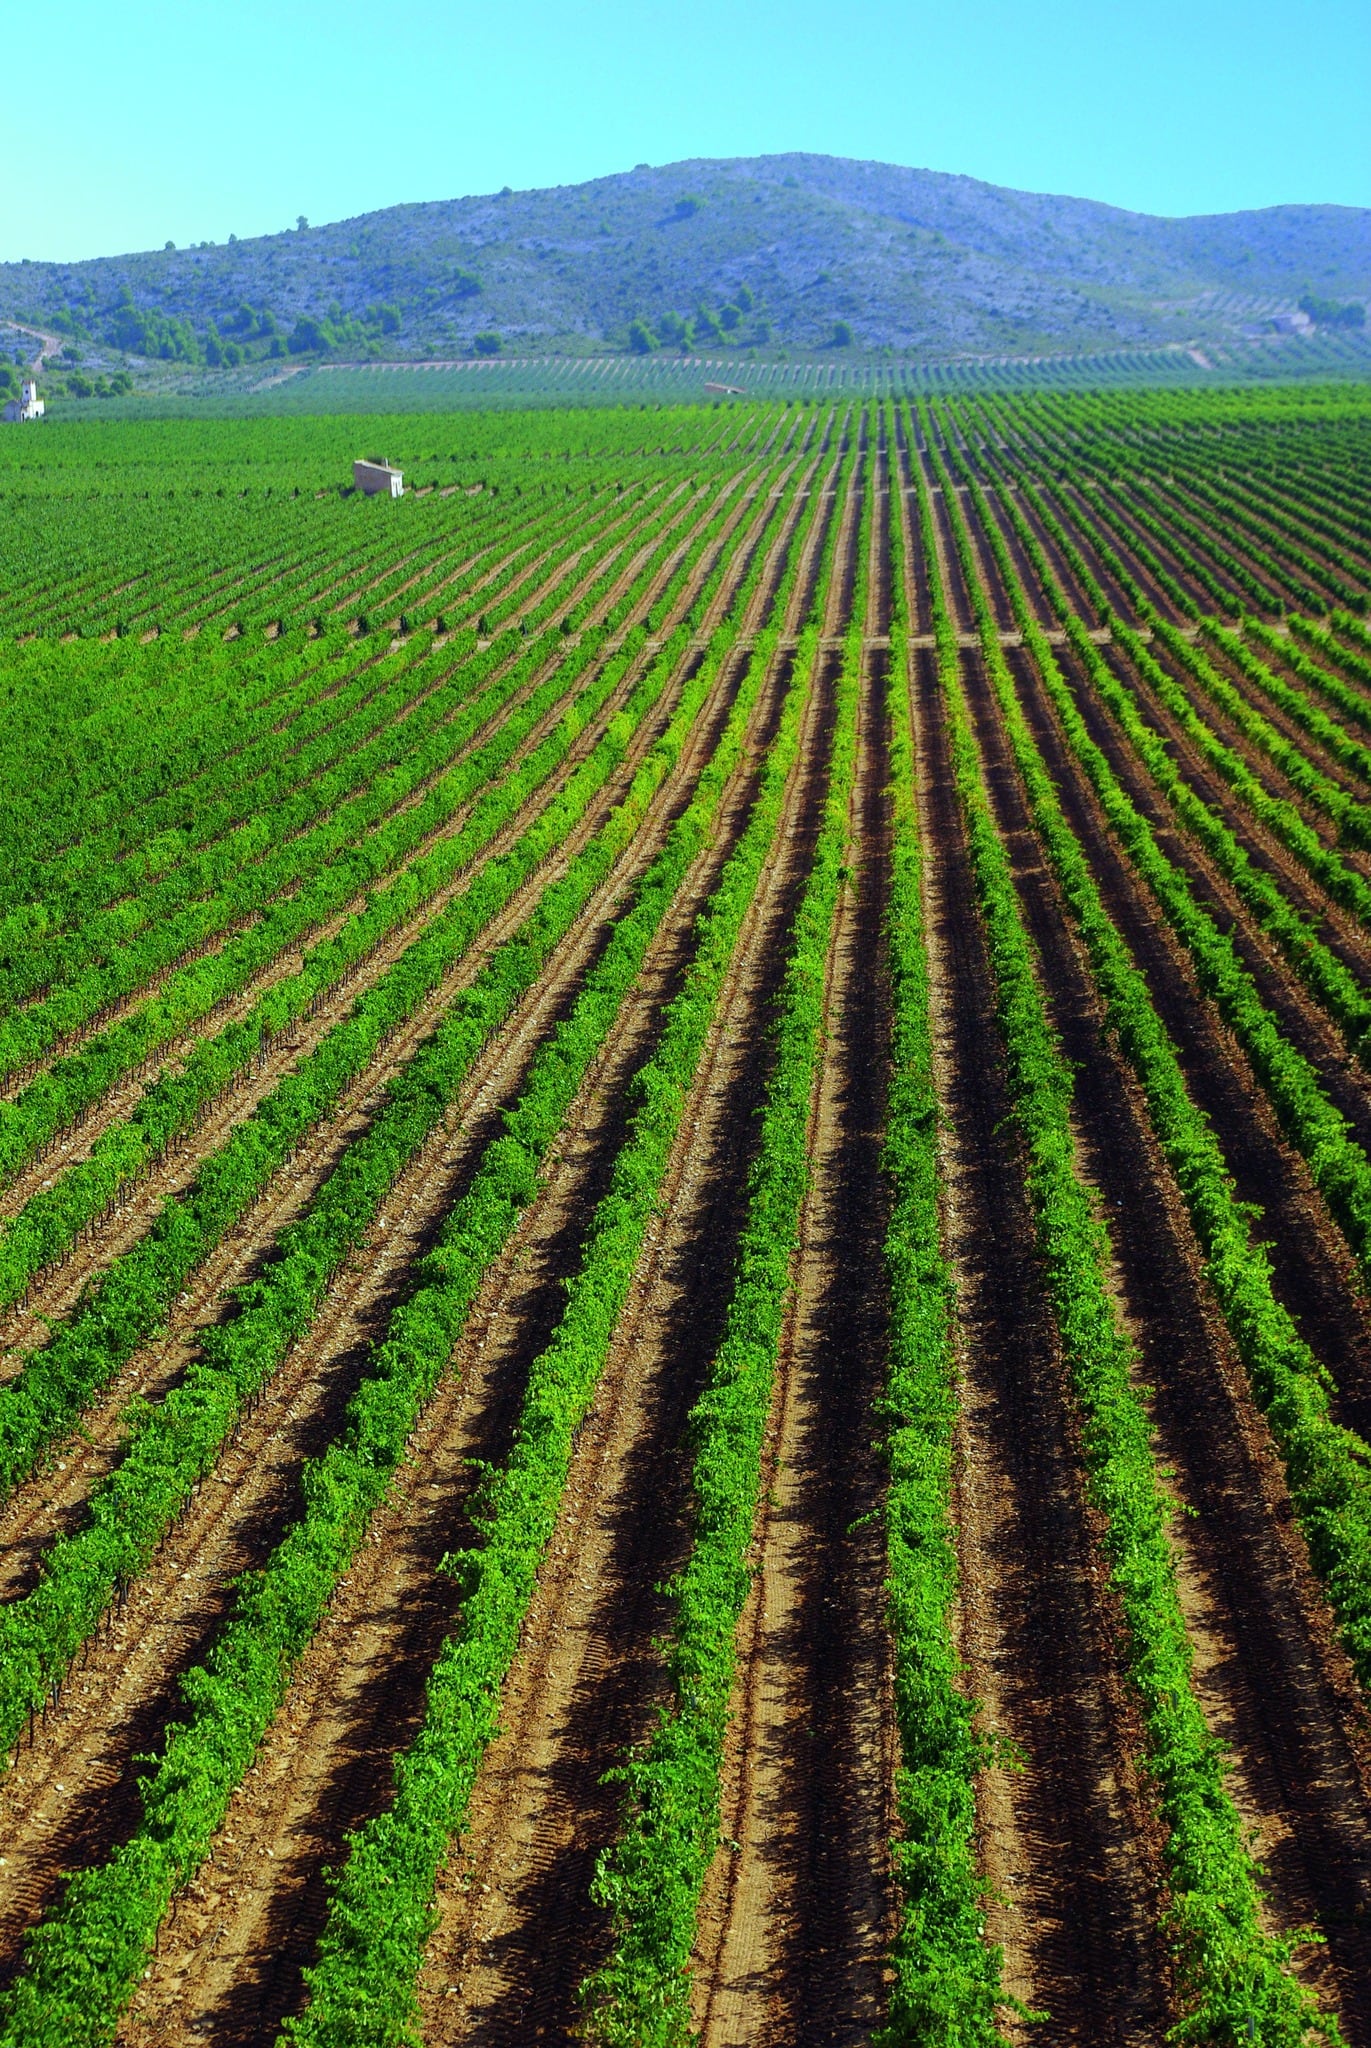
x=128, y=125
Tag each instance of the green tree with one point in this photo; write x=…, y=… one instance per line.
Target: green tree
x=309, y=336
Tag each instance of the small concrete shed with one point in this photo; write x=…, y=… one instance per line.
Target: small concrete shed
x=371, y=476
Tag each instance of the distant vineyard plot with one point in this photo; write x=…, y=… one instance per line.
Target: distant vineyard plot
x=685, y=1218
x=480, y=384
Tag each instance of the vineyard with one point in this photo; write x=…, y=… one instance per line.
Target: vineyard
x=685, y=1224
x=484, y=383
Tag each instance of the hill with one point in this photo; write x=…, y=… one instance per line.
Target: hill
x=795, y=251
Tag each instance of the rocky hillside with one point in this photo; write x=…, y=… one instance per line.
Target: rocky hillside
x=799, y=252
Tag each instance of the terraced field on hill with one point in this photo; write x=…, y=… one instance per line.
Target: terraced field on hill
x=685, y=1221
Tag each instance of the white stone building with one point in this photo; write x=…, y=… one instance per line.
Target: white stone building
x=28, y=405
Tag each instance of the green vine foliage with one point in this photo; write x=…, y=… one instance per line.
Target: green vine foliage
x=1235, y=1979
x=362, y=1986
x=1328, y=1467
x=650, y=1880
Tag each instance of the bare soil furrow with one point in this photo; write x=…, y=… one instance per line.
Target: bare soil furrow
x=55, y=1293
x=117, y=1012
x=473, y=590
x=1118, y=597
x=1064, y=1838
x=1339, y=929
x=53, y=1497
x=1314, y=750
x=127, y=1686
x=1270, y=1677
x=997, y=491
x=760, y=603
x=1264, y=770
x=799, y=1910
x=359, y=1689
x=1313, y=1270
x=1305, y=1023
x=1079, y=511
x=954, y=583
x=517, y=1930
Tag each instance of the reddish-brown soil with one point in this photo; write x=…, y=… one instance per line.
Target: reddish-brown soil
x=1068, y=1851
x=1272, y=1683
x=55, y=1293
x=798, y=1912
x=1313, y=1268
x=584, y=1685
x=800, y=1908
x=361, y=1685
x=299, y=1405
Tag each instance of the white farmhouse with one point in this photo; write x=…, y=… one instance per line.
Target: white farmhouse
x=28, y=405
x=371, y=476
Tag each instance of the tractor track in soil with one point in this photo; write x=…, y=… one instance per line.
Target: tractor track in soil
x=1269, y=1673
x=1067, y=1846
x=1313, y=1270
x=798, y=1913
x=123, y=1692
x=56, y=1291
x=232, y=1960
